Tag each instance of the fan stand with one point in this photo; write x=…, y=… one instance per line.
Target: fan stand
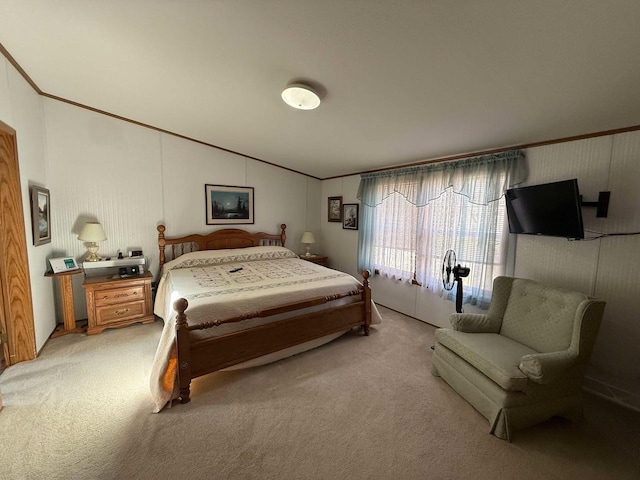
x=458, y=291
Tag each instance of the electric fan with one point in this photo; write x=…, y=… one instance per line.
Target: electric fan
x=452, y=273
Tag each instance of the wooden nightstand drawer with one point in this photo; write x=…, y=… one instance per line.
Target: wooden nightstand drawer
x=118, y=302
x=108, y=297
x=121, y=312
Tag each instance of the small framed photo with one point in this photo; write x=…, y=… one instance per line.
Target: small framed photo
x=63, y=264
x=40, y=215
x=335, y=209
x=228, y=205
x=350, y=216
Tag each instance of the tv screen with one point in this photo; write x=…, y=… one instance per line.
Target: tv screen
x=551, y=209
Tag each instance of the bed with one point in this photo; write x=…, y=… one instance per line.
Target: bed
x=236, y=299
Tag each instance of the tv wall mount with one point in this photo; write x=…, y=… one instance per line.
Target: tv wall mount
x=602, y=204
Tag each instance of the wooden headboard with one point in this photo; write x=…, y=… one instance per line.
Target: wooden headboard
x=217, y=240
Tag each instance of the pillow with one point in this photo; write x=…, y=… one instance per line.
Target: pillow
x=229, y=255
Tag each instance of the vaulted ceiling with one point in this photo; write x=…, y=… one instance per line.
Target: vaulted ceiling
x=401, y=81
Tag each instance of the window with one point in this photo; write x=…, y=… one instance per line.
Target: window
x=411, y=217
x=395, y=237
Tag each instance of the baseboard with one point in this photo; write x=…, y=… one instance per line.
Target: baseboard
x=402, y=313
x=616, y=395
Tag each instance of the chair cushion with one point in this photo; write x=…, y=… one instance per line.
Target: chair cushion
x=494, y=355
x=540, y=316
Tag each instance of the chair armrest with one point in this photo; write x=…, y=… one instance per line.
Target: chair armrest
x=475, y=323
x=544, y=368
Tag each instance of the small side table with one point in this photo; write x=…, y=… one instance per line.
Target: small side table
x=319, y=259
x=68, y=314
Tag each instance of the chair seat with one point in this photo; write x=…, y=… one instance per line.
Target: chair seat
x=493, y=354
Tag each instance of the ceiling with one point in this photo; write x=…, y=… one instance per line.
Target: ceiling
x=401, y=81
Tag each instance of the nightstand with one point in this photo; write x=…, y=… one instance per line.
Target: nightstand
x=117, y=302
x=319, y=259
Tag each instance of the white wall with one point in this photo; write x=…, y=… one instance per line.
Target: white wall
x=130, y=179
x=606, y=268
x=280, y=196
x=101, y=169
x=21, y=108
x=340, y=244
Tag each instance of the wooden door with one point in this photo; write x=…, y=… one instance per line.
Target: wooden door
x=15, y=285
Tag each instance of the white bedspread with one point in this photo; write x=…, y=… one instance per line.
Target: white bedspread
x=222, y=284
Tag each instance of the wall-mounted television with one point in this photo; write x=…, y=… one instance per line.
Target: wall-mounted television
x=550, y=209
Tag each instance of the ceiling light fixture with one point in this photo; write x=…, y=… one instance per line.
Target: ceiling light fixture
x=300, y=96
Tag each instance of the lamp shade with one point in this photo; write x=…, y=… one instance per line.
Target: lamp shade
x=300, y=96
x=92, y=232
x=307, y=237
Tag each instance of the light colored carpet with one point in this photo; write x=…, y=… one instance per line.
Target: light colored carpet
x=353, y=409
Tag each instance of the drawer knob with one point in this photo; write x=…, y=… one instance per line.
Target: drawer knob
x=121, y=312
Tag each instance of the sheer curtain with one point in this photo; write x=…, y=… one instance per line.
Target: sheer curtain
x=410, y=217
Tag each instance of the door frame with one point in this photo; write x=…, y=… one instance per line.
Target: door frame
x=15, y=283
x=4, y=351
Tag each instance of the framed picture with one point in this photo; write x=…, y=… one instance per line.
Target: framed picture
x=335, y=209
x=228, y=205
x=40, y=215
x=350, y=216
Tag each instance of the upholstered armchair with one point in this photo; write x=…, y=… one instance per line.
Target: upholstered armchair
x=524, y=360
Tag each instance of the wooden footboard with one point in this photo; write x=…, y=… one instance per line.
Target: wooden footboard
x=199, y=357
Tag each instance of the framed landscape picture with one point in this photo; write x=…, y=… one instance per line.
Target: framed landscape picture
x=227, y=205
x=335, y=209
x=41, y=215
x=350, y=216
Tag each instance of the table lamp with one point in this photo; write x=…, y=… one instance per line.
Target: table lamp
x=308, y=239
x=92, y=232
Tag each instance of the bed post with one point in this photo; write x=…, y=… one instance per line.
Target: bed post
x=184, y=353
x=366, y=295
x=161, y=243
x=283, y=236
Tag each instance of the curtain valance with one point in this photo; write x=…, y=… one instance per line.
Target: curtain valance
x=482, y=179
